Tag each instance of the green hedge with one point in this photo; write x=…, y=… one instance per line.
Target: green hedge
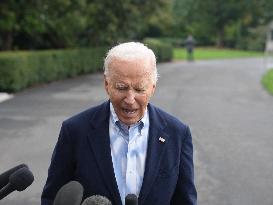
x=175, y=42
x=19, y=70
x=22, y=69
x=163, y=51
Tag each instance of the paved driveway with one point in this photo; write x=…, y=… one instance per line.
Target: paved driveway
x=230, y=115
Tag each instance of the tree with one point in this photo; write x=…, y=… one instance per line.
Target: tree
x=222, y=22
x=38, y=24
x=113, y=21
x=63, y=21
x=16, y=17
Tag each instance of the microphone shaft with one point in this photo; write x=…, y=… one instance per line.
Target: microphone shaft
x=6, y=190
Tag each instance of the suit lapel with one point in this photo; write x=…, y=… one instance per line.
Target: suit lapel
x=156, y=146
x=100, y=143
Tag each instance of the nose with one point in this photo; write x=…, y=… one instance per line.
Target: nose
x=130, y=97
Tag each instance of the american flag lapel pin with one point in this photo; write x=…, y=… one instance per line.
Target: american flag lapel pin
x=161, y=139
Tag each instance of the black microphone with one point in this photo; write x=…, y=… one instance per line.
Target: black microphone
x=4, y=177
x=19, y=181
x=96, y=200
x=69, y=194
x=131, y=199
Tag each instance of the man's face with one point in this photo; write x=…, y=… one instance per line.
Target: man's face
x=129, y=86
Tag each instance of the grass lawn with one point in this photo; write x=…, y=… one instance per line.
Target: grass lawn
x=267, y=81
x=214, y=53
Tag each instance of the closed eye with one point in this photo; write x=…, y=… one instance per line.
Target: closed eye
x=121, y=88
x=140, y=90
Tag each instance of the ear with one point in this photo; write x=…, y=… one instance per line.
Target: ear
x=153, y=90
x=106, y=84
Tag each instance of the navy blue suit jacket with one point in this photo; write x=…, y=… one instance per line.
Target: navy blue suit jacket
x=83, y=153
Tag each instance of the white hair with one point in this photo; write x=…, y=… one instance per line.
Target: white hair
x=131, y=51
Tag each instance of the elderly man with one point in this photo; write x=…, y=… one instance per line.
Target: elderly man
x=126, y=145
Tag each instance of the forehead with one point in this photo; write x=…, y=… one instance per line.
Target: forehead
x=130, y=68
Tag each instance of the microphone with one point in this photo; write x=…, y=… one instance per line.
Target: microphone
x=69, y=194
x=131, y=199
x=19, y=181
x=96, y=200
x=4, y=177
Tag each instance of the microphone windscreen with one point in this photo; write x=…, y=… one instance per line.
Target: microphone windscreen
x=96, y=200
x=4, y=177
x=21, y=179
x=131, y=199
x=69, y=194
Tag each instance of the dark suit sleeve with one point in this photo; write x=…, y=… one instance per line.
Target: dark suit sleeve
x=185, y=192
x=61, y=168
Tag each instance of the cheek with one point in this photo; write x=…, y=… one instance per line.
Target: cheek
x=143, y=100
x=115, y=96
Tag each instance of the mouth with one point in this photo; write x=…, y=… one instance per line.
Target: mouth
x=129, y=112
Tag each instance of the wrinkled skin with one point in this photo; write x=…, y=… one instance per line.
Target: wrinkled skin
x=129, y=85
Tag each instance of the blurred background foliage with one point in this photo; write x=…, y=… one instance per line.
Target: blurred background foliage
x=44, y=24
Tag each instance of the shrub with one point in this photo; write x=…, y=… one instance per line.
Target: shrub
x=19, y=70
x=255, y=40
x=175, y=42
x=267, y=81
x=163, y=51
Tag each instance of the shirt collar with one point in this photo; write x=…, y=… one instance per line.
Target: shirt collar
x=141, y=123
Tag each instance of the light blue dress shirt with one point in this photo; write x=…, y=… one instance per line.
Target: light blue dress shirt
x=128, y=150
